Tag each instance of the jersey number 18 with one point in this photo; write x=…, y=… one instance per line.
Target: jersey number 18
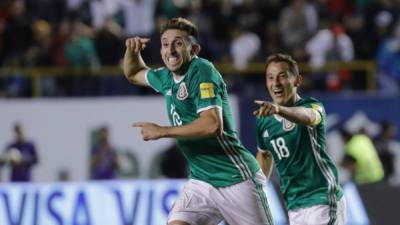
x=280, y=148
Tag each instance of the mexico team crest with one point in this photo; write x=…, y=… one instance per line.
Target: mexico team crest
x=287, y=125
x=182, y=92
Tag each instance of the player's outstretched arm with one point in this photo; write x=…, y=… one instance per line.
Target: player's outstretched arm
x=300, y=115
x=209, y=124
x=265, y=161
x=134, y=67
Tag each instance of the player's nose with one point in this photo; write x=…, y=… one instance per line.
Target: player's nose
x=172, y=49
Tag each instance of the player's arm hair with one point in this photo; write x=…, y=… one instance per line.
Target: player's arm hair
x=209, y=124
x=301, y=115
x=265, y=160
x=135, y=68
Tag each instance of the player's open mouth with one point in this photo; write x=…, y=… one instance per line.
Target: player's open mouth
x=278, y=92
x=173, y=60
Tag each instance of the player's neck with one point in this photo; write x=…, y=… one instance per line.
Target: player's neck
x=293, y=100
x=178, y=78
x=180, y=73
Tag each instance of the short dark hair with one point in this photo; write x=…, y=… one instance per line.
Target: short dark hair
x=181, y=24
x=17, y=127
x=293, y=66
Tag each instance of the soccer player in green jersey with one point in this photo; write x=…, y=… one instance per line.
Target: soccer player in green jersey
x=292, y=131
x=225, y=179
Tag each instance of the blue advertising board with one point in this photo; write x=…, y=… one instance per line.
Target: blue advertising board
x=140, y=202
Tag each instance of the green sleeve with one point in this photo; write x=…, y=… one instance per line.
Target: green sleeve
x=157, y=79
x=207, y=87
x=317, y=105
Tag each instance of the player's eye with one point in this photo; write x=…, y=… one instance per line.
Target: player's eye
x=179, y=43
x=164, y=44
x=283, y=75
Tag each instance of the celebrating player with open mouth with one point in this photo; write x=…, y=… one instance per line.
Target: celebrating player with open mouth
x=292, y=131
x=225, y=180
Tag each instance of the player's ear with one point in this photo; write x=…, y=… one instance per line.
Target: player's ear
x=195, y=49
x=298, y=80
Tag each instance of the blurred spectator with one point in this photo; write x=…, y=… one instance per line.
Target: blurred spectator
x=102, y=11
x=110, y=48
x=138, y=17
x=40, y=51
x=51, y=11
x=339, y=7
x=103, y=158
x=109, y=43
x=356, y=28
x=245, y=46
x=21, y=156
x=170, y=8
x=388, y=60
x=41, y=54
x=80, y=50
x=270, y=10
x=331, y=44
x=17, y=34
x=80, y=53
x=382, y=17
x=74, y=4
x=247, y=15
x=361, y=158
x=200, y=17
x=152, y=51
x=297, y=23
x=272, y=41
x=61, y=35
x=389, y=152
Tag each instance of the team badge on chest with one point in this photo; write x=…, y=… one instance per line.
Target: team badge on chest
x=182, y=93
x=286, y=124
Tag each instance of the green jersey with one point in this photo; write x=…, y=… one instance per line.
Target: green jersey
x=219, y=161
x=307, y=174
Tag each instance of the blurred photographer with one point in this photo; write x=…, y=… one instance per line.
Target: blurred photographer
x=20, y=155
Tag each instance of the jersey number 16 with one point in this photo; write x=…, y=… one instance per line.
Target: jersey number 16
x=176, y=119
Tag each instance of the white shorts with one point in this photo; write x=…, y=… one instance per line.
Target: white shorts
x=319, y=215
x=239, y=204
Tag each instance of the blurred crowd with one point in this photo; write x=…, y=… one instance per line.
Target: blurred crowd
x=88, y=34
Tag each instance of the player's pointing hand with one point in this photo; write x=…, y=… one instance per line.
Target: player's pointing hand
x=265, y=108
x=136, y=44
x=150, y=131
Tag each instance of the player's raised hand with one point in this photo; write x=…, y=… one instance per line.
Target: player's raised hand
x=265, y=108
x=136, y=44
x=150, y=131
